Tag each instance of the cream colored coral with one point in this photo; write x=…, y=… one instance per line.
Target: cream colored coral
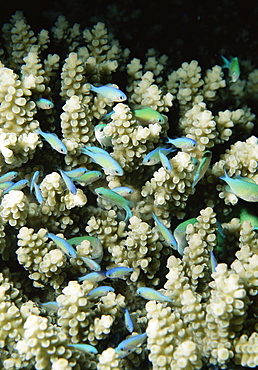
x=165, y=331
x=225, y=314
x=14, y=208
x=212, y=82
x=170, y=190
x=73, y=81
x=75, y=310
x=58, y=200
x=201, y=240
x=108, y=360
x=44, y=263
x=75, y=122
x=130, y=140
x=42, y=342
x=246, y=350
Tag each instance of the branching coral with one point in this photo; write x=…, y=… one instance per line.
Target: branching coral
x=210, y=319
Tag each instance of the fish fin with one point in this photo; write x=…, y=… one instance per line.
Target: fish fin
x=247, y=179
x=225, y=61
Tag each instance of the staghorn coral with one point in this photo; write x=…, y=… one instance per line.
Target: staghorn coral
x=212, y=317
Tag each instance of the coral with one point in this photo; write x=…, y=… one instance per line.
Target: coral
x=210, y=319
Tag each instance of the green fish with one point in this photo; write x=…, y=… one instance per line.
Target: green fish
x=148, y=115
x=233, y=67
x=164, y=231
x=152, y=295
x=243, y=187
x=202, y=167
x=180, y=234
x=115, y=198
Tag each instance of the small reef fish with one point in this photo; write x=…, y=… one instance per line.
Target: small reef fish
x=153, y=157
x=118, y=272
x=104, y=159
x=148, y=115
x=86, y=348
x=184, y=143
x=38, y=194
x=248, y=215
x=165, y=161
x=9, y=176
x=164, y=231
x=202, y=167
x=128, y=320
x=93, y=265
x=109, y=92
x=68, y=182
x=152, y=295
x=243, y=187
x=102, y=138
x=180, y=234
x=62, y=244
x=130, y=344
x=88, y=178
x=34, y=180
x=6, y=185
x=97, y=249
x=52, y=305
x=17, y=186
x=95, y=276
x=101, y=291
x=233, y=67
x=76, y=172
x=124, y=191
x=53, y=140
x=213, y=262
x=43, y=103
x=115, y=198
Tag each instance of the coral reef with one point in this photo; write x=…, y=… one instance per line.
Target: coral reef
x=45, y=309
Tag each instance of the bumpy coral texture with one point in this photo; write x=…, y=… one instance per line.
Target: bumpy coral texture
x=211, y=319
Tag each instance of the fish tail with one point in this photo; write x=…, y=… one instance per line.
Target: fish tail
x=128, y=214
x=225, y=61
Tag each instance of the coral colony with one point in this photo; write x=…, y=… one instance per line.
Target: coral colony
x=100, y=267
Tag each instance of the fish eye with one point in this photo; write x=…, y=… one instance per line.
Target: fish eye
x=160, y=120
x=116, y=171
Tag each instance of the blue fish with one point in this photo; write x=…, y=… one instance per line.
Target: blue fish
x=130, y=344
x=16, y=186
x=152, y=294
x=109, y=92
x=94, y=276
x=128, y=320
x=104, y=159
x=62, y=244
x=165, y=161
x=101, y=291
x=43, y=103
x=182, y=142
x=85, y=348
x=6, y=185
x=53, y=140
x=9, y=176
x=38, y=194
x=93, y=265
x=76, y=172
x=118, y=272
x=53, y=305
x=164, y=231
x=68, y=182
x=153, y=157
x=124, y=191
x=88, y=178
x=243, y=187
x=213, y=262
x=34, y=180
